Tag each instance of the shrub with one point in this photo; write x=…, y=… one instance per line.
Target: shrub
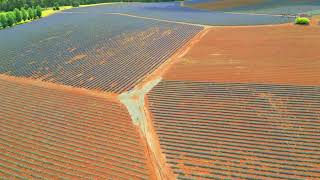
x=30, y=13
x=302, y=20
x=56, y=7
x=75, y=3
x=38, y=11
x=24, y=14
x=3, y=20
x=18, y=15
x=10, y=18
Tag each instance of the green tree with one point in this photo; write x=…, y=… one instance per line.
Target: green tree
x=10, y=18
x=30, y=13
x=34, y=12
x=3, y=20
x=24, y=14
x=38, y=11
x=18, y=15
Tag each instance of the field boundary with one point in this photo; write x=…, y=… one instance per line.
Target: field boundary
x=70, y=89
x=142, y=17
x=138, y=107
x=173, y=59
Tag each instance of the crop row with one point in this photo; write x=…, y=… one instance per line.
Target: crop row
x=66, y=135
x=233, y=130
x=175, y=12
x=108, y=52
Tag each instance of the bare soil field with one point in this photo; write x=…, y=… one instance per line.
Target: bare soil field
x=136, y=92
x=238, y=131
x=56, y=133
x=283, y=54
x=242, y=103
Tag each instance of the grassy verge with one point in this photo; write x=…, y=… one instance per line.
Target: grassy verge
x=50, y=11
x=88, y=5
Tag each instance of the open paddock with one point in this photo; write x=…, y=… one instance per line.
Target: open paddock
x=55, y=134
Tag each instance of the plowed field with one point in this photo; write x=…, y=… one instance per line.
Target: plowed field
x=175, y=12
x=108, y=52
x=54, y=134
x=243, y=103
x=233, y=103
x=238, y=131
x=283, y=54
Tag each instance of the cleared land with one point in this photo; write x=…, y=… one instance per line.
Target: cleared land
x=240, y=131
x=243, y=102
x=283, y=54
x=56, y=133
x=233, y=102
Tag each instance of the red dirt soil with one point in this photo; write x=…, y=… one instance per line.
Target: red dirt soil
x=55, y=133
x=236, y=130
x=284, y=54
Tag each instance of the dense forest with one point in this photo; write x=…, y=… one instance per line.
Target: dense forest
x=9, y=5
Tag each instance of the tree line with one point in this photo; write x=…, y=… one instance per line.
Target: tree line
x=10, y=5
x=19, y=15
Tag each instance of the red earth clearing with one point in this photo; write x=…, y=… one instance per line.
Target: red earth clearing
x=284, y=54
x=241, y=103
x=56, y=133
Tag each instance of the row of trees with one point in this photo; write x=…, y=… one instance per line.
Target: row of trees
x=16, y=16
x=9, y=5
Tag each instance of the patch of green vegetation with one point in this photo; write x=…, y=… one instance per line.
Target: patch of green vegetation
x=302, y=20
x=75, y=4
x=17, y=16
x=56, y=6
x=50, y=11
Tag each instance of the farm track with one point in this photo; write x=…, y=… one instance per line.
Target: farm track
x=89, y=137
x=238, y=130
